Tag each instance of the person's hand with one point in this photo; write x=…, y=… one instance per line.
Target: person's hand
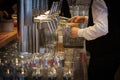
x=77, y=19
x=74, y=32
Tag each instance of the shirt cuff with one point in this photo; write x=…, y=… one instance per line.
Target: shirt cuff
x=80, y=33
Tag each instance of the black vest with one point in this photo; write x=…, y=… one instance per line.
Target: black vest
x=108, y=44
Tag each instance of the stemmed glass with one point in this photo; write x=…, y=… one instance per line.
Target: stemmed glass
x=68, y=74
x=8, y=73
x=22, y=73
x=52, y=74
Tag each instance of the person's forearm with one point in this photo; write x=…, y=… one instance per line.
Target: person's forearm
x=100, y=18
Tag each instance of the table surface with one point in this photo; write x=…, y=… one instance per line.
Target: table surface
x=6, y=37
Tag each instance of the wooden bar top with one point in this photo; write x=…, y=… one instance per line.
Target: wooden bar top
x=6, y=37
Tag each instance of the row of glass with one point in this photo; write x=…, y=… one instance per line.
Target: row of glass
x=47, y=65
x=33, y=65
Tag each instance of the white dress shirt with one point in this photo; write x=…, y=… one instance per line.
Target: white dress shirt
x=100, y=20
